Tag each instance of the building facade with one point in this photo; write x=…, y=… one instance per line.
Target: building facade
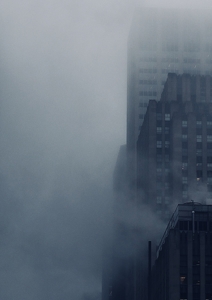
x=174, y=148
x=163, y=41
x=183, y=268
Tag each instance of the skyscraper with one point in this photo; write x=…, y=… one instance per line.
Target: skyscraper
x=163, y=41
x=183, y=268
x=174, y=148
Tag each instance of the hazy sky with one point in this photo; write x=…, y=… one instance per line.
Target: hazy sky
x=63, y=118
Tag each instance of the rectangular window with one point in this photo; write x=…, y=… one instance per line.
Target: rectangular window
x=184, y=137
x=159, y=129
x=167, y=117
x=167, y=144
x=199, y=124
x=166, y=130
x=184, y=123
x=209, y=138
x=209, y=123
x=159, y=116
x=185, y=194
x=184, y=165
x=159, y=144
x=199, y=138
x=184, y=180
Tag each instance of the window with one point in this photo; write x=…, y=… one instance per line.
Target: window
x=167, y=185
x=209, y=138
x=166, y=158
x=184, y=136
x=199, y=123
x=159, y=199
x=209, y=123
x=199, y=138
x=184, y=123
x=167, y=117
x=159, y=144
x=185, y=194
x=159, y=116
x=159, y=129
x=167, y=144
x=167, y=200
x=184, y=165
x=166, y=130
x=184, y=180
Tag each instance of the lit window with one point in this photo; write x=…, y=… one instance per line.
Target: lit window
x=159, y=129
x=184, y=137
x=199, y=123
x=184, y=123
x=209, y=138
x=209, y=123
x=167, y=117
x=209, y=165
x=159, y=144
x=159, y=170
x=199, y=138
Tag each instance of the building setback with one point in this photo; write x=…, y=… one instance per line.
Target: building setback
x=174, y=148
x=183, y=268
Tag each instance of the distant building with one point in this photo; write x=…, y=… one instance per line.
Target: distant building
x=163, y=41
x=183, y=268
x=174, y=148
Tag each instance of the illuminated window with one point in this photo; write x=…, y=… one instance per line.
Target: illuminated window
x=184, y=137
x=159, y=144
x=159, y=129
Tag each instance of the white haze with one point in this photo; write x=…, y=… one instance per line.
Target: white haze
x=63, y=107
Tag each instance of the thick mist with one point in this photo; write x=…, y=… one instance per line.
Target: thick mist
x=62, y=119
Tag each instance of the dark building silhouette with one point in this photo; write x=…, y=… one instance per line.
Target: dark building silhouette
x=167, y=157
x=183, y=268
x=174, y=148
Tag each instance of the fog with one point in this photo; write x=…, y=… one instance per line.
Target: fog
x=63, y=107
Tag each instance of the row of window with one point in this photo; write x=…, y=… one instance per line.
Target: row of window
x=166, y=116
x=148, y=81
x=174, y=60
x=198, y=123
x=147, y=93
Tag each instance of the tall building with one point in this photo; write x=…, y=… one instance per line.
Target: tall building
x=170, y=166
x=163, y=41
x=174, y=148
x=183, y=268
